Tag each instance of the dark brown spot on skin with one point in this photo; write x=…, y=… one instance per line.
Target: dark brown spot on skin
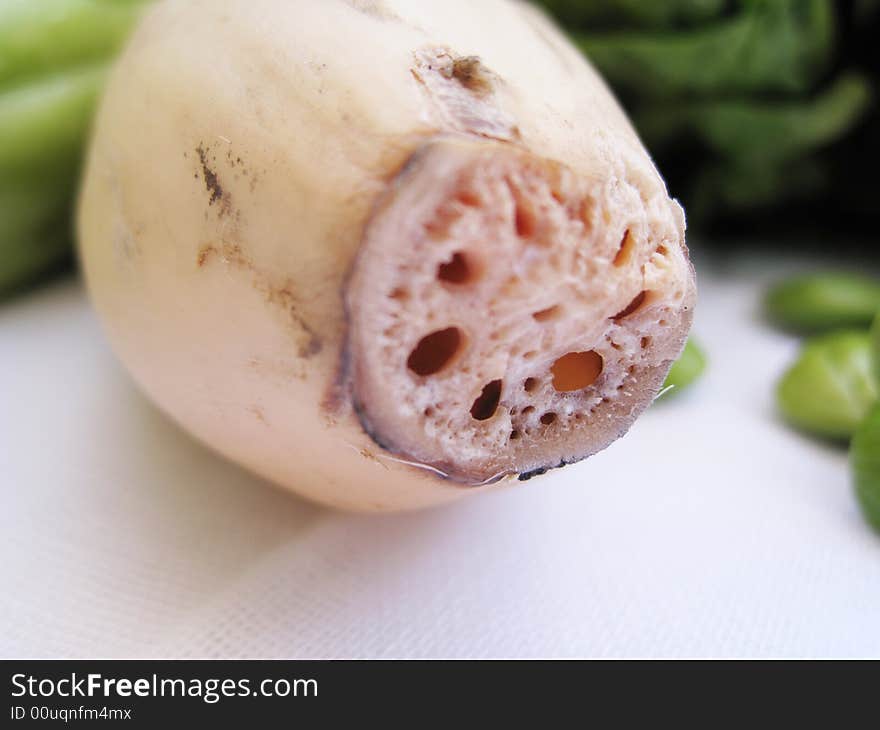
x=470, y=73
x=211, y=182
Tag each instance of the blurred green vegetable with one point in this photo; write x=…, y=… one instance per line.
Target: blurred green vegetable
x=654, y=13
x=760, y=150
x=741, y=101
x=687, y=369
x=769, y=45
x=823, y=302
x=875, y=346
x=865, y=463
x=830, y=389
x=53, y=61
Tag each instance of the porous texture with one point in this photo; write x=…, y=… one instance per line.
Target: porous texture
x=265, y=174
x=508, y=316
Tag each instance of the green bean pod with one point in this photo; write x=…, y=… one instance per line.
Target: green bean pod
x=686, y=370
x=822, y=302
x=831, y=388
x=865, y=463
x=54, y=56
x=875, y=347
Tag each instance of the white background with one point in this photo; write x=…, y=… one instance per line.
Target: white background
x=711, y=530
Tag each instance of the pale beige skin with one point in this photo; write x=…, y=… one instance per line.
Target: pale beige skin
x=264, y=170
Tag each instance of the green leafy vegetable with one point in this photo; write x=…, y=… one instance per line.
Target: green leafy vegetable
x=777, y=45
x=592, y=13
x=743, y=101
x=761, y=150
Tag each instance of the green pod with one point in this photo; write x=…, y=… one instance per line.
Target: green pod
x=831, y=387
x=43, y=125
x=43, y=128
x=54, y=56
x=686, y=370
x=35, y=230
x=864, y=456
x=875, y=347
x=39, y=37
x=822, y=302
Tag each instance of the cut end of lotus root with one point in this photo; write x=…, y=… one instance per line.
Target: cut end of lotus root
x=508, y=316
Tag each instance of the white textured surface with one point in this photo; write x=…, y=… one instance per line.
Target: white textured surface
x=710, y=530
